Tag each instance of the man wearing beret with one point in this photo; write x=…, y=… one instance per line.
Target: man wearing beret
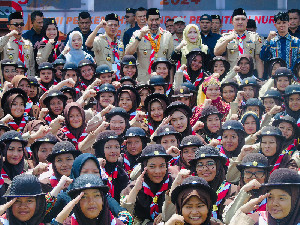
x=107, y=49
x=208, y=38
x=150, y=43
x=14, y=47
x=240, y=41
x=281, y=44
x=216, y=24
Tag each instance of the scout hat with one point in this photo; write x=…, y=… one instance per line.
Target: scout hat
x=63, y=147
x=254, y=160
x=154, y=150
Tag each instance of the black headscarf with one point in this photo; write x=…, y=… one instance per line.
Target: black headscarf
x=194, y=74
x=250, y=60
x=75, y=131
x=237, y=151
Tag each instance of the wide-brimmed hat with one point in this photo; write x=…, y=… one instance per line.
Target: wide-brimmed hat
x=86, y=62
x=48, y=138
x=272, y=94
x=271, y=131
x=117, y=111
x=178, y=105
x=292, y=89
x=233, y=125
x=129, y=60
x=154, y=150
x=191, y=140
x=46, y=66
x=249, y=81
x=12, y=135
x=182, y=91
x=288, y=119
x=132, y=89
x=166, y=130
x=210, y=110
x=106, y=136
x=63, y=147
x=254, y=160
x=161, y=60
x=136, y=132
x=55, y=93
x=154, y=96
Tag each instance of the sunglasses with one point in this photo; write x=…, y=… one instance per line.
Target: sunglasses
x=17, y=24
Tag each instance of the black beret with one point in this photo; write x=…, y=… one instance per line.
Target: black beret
x=251, y=23
x=15, y=15
x=153, y=11
x=112, y=16
x=238, y=12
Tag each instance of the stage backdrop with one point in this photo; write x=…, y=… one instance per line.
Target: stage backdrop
x=66, y=11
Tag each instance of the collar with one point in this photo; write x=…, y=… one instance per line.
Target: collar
x=287, y=36
x=297, y=31
x=209, y=34
x=108, y=38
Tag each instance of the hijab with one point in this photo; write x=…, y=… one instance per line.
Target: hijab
x=188, y=130
x=133, y=99
x=8, y=105
x=237, y=151
x=75, y=131
x=32, y=124
x=155, y=124
x=295, y=115
x=17, y=79
x=251, y=70
x=194, y=74
x=75, y=55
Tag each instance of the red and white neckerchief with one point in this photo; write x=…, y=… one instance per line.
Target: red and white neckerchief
x=298, y=122
x=77, y=89
x=110, y=177
x=55, y=48
x=262, y=207
x=174, y=160
x=55, y=82
x=241, y=45
x=154, y=209
x=151, y=129
x=222, y=153
x=53, y=180
x=28, y=106
x=43, y=88
x=48, y=119
x=127, y=166
x=188, y=79
x=132, y=115
x=83, y=85
x=72, y=137
x=221, y=193
x=19, y=127
x=152, y=49
x=169, y=90
x=4, y=174
x=292, y=147
x=20, y=46
x=278, y=161
x=263, y=218
x=114, y=47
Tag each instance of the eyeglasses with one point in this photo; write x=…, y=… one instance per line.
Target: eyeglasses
x=17, y=24
x=257, y=174
x=127, y=17
x=210, y=165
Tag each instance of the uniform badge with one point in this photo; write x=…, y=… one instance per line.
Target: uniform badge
x=145, y=52
x=27, y=56
x=259, y=40
x=254, y=163
x=231, y=51
x=26, y=46
x=250, y=51
x=11, y=57
x=165, y=52
x=155, y=56
x=108, y=58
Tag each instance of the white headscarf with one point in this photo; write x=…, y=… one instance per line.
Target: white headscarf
x=74, y=55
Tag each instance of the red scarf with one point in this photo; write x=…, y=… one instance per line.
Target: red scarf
x=83, y=85
x=127, y=166
x=117, y=59
x=29, y=105
x=292, y=148
x=110, y=177
x=53, y=181
x=48, y=119
x=77, y=89
x=154, y=209
x=197, y=81
x=151, y=129
x=222, y=153
x=169, y=89
x=221, y=193
x=278, y=161
x=72, y=137
x=241, y=47
x=20, y=127
x=152, y=50
x=55, y=48
x=21, y=53
x=43, y=88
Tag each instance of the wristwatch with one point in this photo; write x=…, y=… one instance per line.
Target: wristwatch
x=137, y=38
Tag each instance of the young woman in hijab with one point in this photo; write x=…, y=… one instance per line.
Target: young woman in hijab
x=282, y=201
x=162, y=67
x=62, y=158
x=296, y=71
x=55, y=103
x=129, y=67
x=146, y=197
x=194, y=71
x=219, y=65
x=86, y=71
x=290, y=131
x=70, y=70
x=144, y=91
x=128, y=98
x=33, y=126
x=180, y=115
x=89, y=204
x=229, y=90
x=210, y=89
x=118, y=120
x=159, y=84
x=210, y=165
x=156, y=105
x=14, y=155
x=74, y=129
x=136, y=140
x=42, y=147
x=194, y=200
x=250, y=88
x=191, y=40
x=105, y=96
x=13, y=102
x=184, y=95
x=271, y=144
x=250, y=122
x=211, y=118
x=34, y=91
x=254, y=105
x=8, y=71
x=270, y=99
x=46, y=74
x=73, y=51
x=252, y=172
x=49, y=48
x=273, y=65
x=58, y=65
x=108, y=146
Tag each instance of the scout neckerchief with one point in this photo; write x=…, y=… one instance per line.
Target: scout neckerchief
x=154, y=47
x=20, y=46
x=72, y=137
x=241, y=45
x=28, y=106
x=19, y=127
x=154, y=209
x=53, y=180
x=55, y=48
x=169, y=90
x=151, y=129
x=132, y=115
x=48, y=119
x=43, y=88
x=221, y=193
x=112, y=219
x=127, y=166
x=262, y=207
x=174, y=160
x=188, y=79
x=292, y=147
x=222, y=153
x=278, y=161
x=83, y=85
x=114, y=47
x=110, y=177
x=77, y=89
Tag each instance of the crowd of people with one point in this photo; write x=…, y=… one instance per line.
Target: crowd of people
x=174, y=126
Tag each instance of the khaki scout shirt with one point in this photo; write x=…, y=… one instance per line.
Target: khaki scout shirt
x=176, y=40
x=10, y=50
x=252, y=45
x=144, y=50
x=104, y=53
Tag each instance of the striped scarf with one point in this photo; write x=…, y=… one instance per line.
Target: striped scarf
x=278, y=161
x=169, y=89
x=197, y=81
x=48, y=119
x=53, y=180
x=154, y=209
x=19, y=127
x=21, y=53
x=241, y=45
x=55, y=48
x=72, y=137
x=110, y=177
x=28, y=106
x=221, y=193
x=116, y=60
